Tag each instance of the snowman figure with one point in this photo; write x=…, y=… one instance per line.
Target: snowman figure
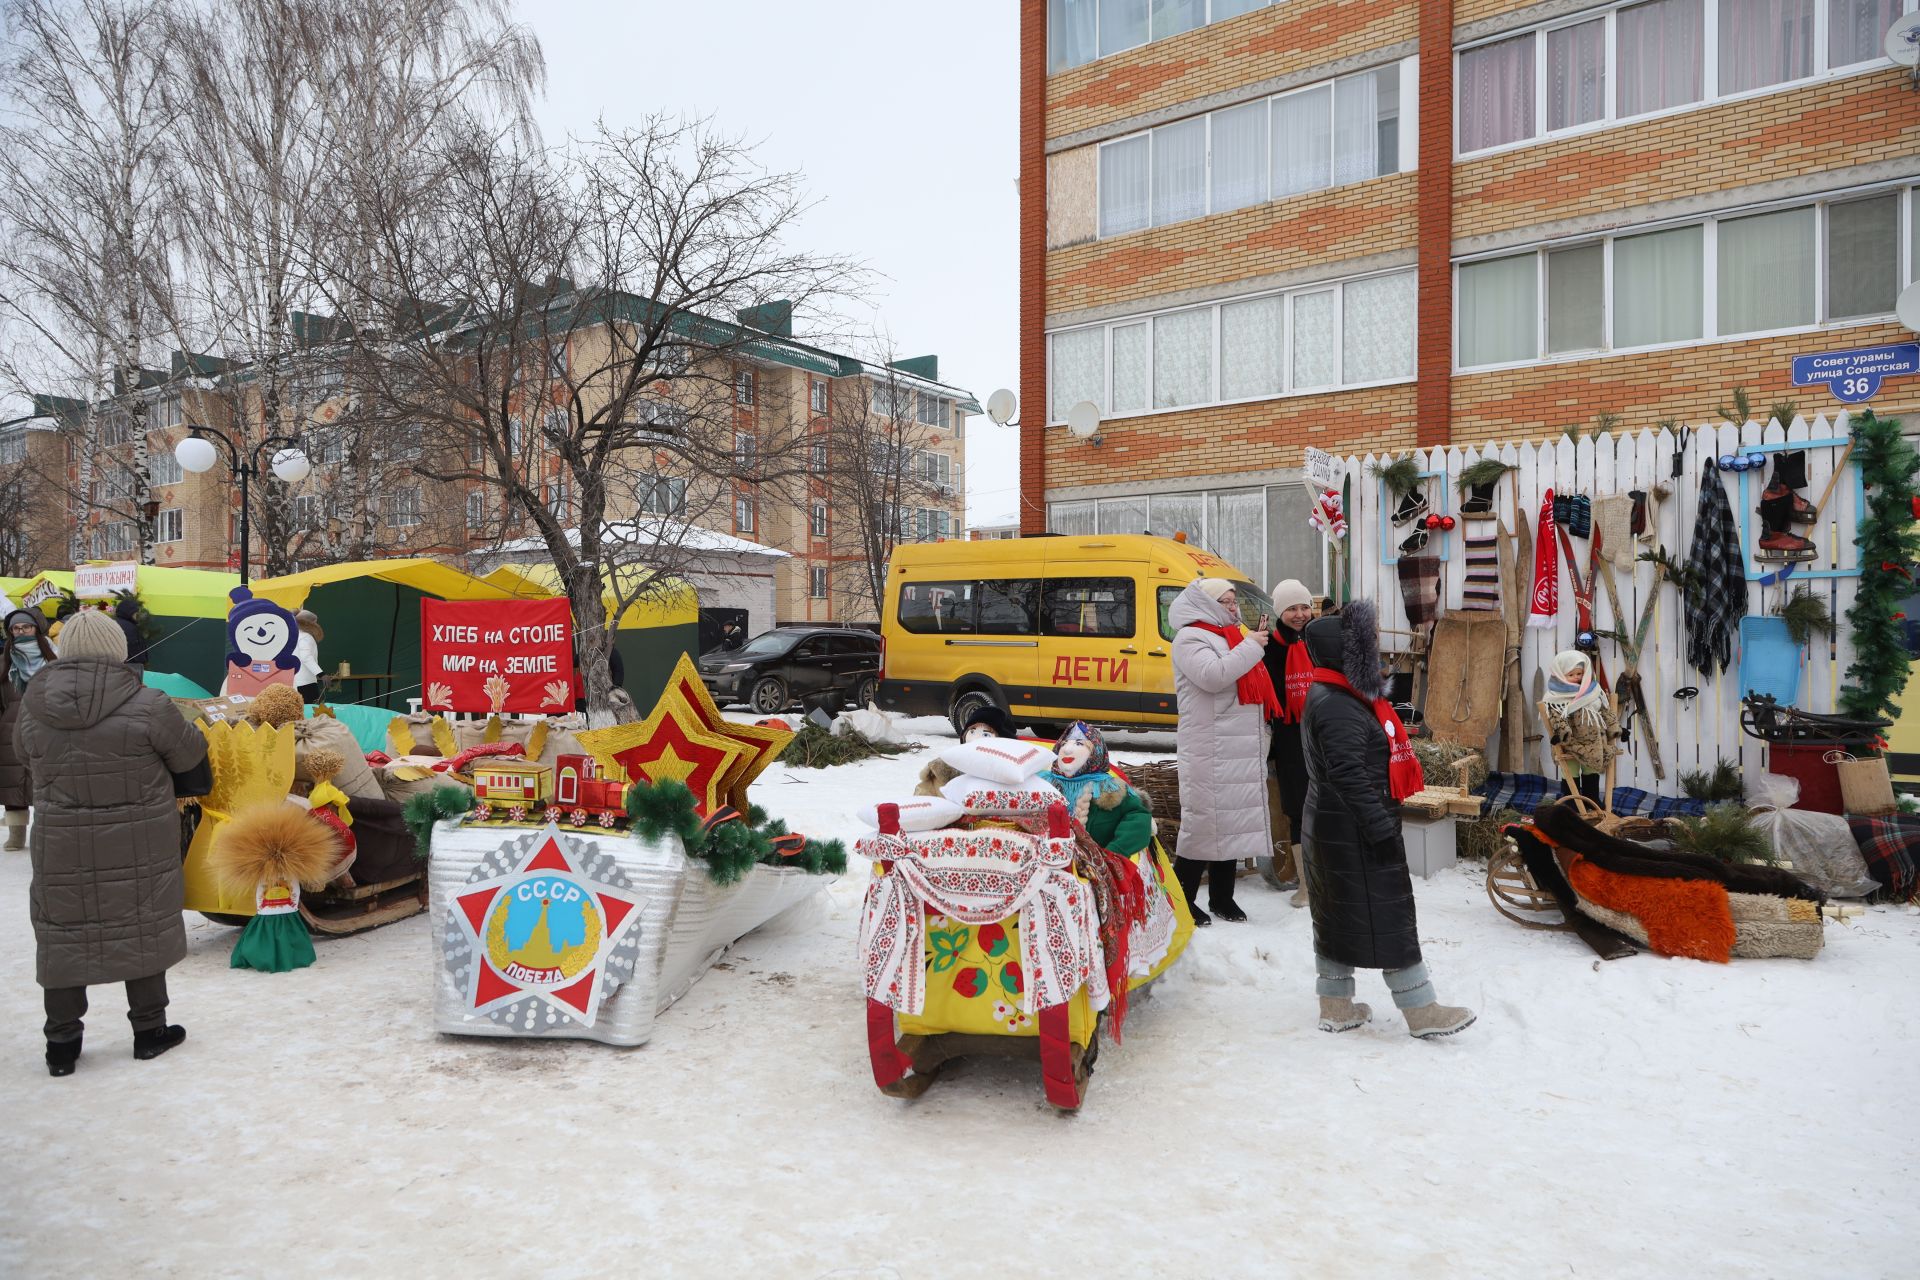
x=260, y=642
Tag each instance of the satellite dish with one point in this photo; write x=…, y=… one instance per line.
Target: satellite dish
x=1908, y=308
x=1084, y=419
x=1903, y=41
x=1001, y=405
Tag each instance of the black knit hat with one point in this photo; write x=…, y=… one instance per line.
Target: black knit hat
x=994, y=718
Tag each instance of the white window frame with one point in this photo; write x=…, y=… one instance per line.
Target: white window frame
x=1710, y=94
x=1288, y=389
x=1407, y=153
x=743, y=513
x=1207, y=21
x=476, y=509
x=817, y=582
x=178, y=521
x=817, y=525
x=818, y=392
x=404, y=514
x=1709, y=277
x=743, y=388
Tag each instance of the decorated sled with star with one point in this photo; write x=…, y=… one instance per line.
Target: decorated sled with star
x=1007, y=937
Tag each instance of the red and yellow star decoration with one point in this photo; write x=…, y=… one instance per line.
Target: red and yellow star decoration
x=686, y=739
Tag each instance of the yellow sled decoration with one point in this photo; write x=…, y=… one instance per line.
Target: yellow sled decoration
x=251, y=765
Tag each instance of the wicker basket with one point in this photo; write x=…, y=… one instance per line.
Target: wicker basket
x=1160, y=784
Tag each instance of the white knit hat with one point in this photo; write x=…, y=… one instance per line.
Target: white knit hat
x=1215, y=587
x=92, y=634
x=1290, y=592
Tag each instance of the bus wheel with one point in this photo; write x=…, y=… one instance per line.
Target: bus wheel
x=966, y=704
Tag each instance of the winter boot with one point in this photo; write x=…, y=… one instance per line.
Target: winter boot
x=1413, y=505
x=1478, y=504
x=1431, y=1020
x=151, y=1044
x=1789, y=474
x=1299, y=898
x=16, y=830
x=61, y=1055
x=1339, y=1013
x=1220, y=885
x=1188, y=871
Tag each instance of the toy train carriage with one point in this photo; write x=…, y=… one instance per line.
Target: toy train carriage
x=570, y=791
x=980, y=940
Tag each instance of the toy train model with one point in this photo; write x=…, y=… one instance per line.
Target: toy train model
x=570, y=792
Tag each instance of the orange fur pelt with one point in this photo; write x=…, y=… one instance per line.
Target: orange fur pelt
x=1689, y=918
x=279, y=843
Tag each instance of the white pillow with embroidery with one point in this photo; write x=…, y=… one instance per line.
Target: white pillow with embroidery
x=1009, y=763
x=983, y=797
x=918, y=813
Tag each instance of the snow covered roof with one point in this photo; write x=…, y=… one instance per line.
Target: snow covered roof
x=686, y=537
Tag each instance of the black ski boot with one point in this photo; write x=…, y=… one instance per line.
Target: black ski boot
x=1777, y=544
x=1789, y=474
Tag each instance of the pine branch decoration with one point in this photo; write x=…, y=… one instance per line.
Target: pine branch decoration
x=1805, y=613
x=1401, y=476
x=1725, y=832
x=1888, y=544
x=1477, y=475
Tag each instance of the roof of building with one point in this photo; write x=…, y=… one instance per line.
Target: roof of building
x=687, y=537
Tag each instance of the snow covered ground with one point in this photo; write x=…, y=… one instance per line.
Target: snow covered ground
x=1646, y=1117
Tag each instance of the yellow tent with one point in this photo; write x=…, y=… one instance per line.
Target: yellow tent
x=167, y=593
x=672, y=603
x=428, y=577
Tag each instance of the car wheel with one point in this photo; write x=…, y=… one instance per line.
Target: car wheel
x=966, y=704
x=769, y=695
x=865, y=690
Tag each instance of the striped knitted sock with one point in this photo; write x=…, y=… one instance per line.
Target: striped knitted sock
x=1481, y=589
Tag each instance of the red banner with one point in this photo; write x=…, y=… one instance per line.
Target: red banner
x=497, y=655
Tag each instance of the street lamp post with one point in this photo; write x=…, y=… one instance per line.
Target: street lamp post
x=197, y=454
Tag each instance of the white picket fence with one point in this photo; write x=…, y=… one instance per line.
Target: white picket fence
x=1691, y=733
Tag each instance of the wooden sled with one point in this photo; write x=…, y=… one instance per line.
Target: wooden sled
x=336, y=911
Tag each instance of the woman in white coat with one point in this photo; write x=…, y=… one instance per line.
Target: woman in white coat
x=1225, y=698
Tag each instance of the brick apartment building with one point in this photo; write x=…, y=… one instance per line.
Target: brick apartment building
x=1367, y=225
x=782, y=390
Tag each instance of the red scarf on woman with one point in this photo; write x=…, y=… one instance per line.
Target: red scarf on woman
x=1299, y=674
x=1403, y=767
x=1256, y=686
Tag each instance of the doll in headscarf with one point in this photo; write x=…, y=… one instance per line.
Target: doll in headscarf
x=1580, y=717
x=1112, y=812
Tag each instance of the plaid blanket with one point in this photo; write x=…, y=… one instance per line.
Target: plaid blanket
x=1420, y=589
x=1522, y=791
x=1889, y=844
x=1719, y=598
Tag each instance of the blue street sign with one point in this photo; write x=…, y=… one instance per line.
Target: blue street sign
x=1855, y=376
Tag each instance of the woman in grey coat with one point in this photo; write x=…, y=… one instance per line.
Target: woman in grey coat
x=107, y=889
x=1224, y=697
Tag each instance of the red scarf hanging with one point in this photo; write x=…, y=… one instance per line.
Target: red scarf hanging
x=1545, y=604
x=1256, y=686
x=1299, y=675
x=1403, y=767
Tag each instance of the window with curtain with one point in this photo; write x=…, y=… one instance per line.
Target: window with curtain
x=1661, y=61
x=1377, y=322
x=1496, y=93
x=1303, y=141
x=1171, y=513
x=1239, y=156
x=1072, y=30
x=1499, y=315
x=1075, y=519
x=1237, y=530
x=1658, y=287
x=1183, y=358
x=1123, y=24
x=1764, y=42
x=1171, y=17
x=1122, y=515
x=1766, y=271
x=1079, y=367
x=1856, y=29
x=1356, y=136
x=1315, y=357
x=1576, y=299
x=1179, y=171
x=1125, y=200
x=1577, y=74
x=1863, y=257
x=1130, y=376
x=1250, y=349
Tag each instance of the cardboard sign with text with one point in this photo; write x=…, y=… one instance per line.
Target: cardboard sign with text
x=503, y=656
x=104, y=581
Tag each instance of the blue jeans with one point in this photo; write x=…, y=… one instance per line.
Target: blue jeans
x=1411, y=987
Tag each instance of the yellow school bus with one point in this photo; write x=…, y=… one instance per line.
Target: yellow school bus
x=1053, y=628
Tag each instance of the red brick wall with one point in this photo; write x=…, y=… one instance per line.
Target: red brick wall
x=1801, y=131
x=1033, y=266
x=1436, y=220
x=1317, y=229
x=1224, y=439
x=1688, y=383
x=1276, y=41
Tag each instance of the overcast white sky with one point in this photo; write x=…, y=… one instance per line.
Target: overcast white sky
x=904, y=119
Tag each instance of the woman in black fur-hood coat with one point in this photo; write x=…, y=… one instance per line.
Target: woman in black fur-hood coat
x=1357, y=883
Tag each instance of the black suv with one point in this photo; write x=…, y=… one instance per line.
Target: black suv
x=778, y=668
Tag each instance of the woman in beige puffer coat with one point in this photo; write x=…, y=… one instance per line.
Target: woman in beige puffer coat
x=107, y=890
x=1222, y=745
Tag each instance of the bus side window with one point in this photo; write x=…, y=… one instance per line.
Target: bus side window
x=1088, y=607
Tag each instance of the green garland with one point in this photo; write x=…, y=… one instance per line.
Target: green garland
x=731, y=849
x=423, y=809
x=1888, y=544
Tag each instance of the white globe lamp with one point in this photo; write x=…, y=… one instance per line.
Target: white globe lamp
x=196, y=454
x=291, y=465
